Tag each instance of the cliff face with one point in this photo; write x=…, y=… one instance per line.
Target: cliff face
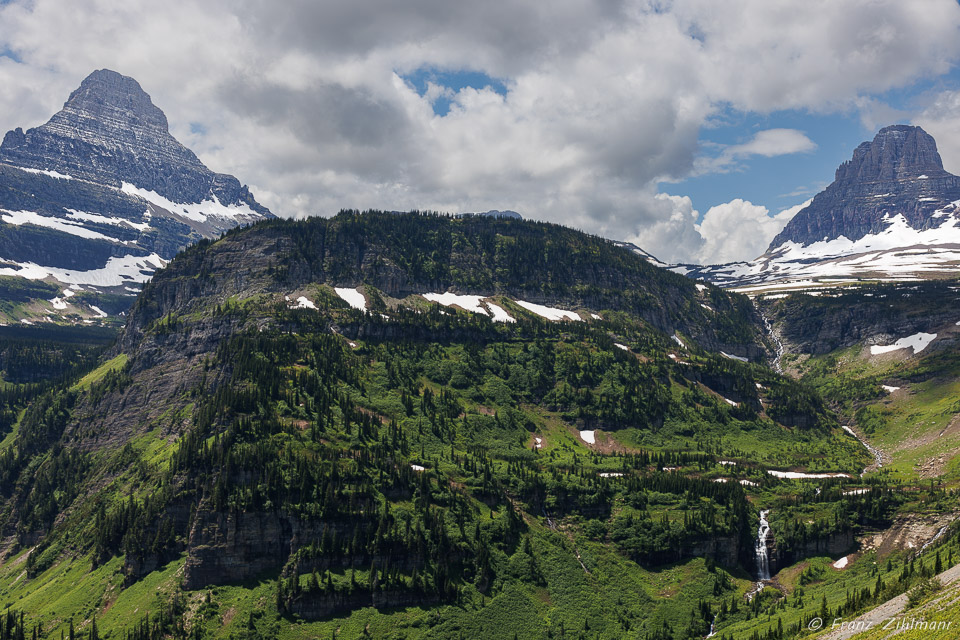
x=898, y=172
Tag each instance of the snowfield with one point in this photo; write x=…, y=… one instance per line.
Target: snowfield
x=352, y=297
x=115, y=272
x=550, y=313
x=918, y=342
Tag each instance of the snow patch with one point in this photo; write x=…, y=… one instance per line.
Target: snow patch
x=796, y=475
x=677, y=339
x=100, y=312
x=889, y=389
x=621, y=346
x=58, y=224
x=196, y=211
x=499, y=313
x=117, y=271
x=841, y=563
x=918, y=342
x=117, y=222
x=590, y=437
x=727, y=355
x=303, y=303
x=417, y=467
x=550, y=313
x=59, y=304
x=352, y=297
x=48, y=172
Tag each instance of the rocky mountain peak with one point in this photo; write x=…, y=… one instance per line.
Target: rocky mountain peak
x=898, y=152
x=110, y=132
x=108, y=98
x=898, y=173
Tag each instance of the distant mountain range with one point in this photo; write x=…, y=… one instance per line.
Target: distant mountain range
x=891, y=212
x=101, y=196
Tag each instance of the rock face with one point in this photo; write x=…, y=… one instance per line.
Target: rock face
x=899, y=172
x=102, y=195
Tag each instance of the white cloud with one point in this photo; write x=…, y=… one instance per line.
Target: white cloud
x=941, y=119
x=739, y=230
x=604, y=100
x=767, y=143
x=730, y=232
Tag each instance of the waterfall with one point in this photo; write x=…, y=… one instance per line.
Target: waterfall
x=762, y=553
x=713, y=627
x=775, y=364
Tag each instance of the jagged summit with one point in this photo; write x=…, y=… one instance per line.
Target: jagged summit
x=110, y=132
x=899, y=172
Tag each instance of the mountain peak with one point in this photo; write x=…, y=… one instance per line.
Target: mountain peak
x=109, y=132
x=897, y=152
x=108, y=93
x=899, y=172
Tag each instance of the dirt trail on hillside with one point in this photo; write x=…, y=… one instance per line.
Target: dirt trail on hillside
x=880, y=615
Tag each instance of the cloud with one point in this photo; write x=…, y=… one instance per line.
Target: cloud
x=767, y=143
x=604, y=100
x=730, y=232
x=941, y=119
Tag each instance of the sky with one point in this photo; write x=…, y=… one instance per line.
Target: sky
x=694, y=128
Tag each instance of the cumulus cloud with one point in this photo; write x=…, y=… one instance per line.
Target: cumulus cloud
x=309, y=104
x=941, y=119
x=730, y=232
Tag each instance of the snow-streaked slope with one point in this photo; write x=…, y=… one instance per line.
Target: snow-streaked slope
x=116, y=272
x=198, y=212
x=550, y=313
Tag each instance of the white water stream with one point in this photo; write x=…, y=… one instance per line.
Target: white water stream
x=762, y=553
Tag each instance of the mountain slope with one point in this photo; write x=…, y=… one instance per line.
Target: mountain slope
x=102, y=195
x=448, y=460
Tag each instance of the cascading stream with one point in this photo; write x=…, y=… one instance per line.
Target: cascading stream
x=762, y=553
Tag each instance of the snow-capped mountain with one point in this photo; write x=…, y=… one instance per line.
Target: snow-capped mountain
x=102, y=195
x=891, y=212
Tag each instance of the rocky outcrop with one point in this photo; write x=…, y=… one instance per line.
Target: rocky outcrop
x=836, y=544
x=898, y=172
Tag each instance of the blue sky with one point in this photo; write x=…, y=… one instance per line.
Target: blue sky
x=784, y=181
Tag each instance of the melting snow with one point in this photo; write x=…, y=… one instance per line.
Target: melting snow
x=918, y=342
x=700, y=287
x=598, y=317
x=196, y=211
x=727, y=355
x=59, y=303
x=352, y=297
x=100, y=312
x=732, y=403
x=550, y=313
x=117, y=222
x=729, y=463
x=59, y=224
x=889, y=389
x=417, y=467
x=539, y=444
x=677, y=339
x=303, y=303
x=116, y=272
x=796, y=475
x=48, y=172
x=841, y=563
x=621, y=346
x=589, y=437
x=499, y=313
x=611, y=474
